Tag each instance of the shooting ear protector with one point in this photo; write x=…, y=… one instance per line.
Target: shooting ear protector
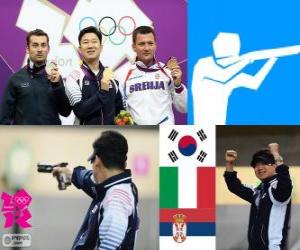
x=92, y=157
x=97, y=151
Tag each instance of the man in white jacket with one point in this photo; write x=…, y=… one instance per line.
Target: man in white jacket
x=149, y=87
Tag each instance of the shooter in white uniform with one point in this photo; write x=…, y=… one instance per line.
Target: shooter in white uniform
x=150, y=87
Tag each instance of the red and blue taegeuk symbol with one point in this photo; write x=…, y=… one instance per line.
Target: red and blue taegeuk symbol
x=187, y=145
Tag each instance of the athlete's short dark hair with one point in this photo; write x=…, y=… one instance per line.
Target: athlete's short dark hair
x=112, y=148
x=90, y=29
x=142, y=30
x=36, y=32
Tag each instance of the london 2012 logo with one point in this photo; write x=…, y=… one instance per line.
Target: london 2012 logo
x=15, y=209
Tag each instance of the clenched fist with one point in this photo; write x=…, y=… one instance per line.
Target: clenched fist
x=274, y=148
x=230, y=157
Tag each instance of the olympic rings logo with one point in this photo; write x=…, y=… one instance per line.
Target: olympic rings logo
x=108, y=31
x=21, y=200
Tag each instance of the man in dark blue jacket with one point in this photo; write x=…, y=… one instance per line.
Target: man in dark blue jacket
x=93, y=93
x=270, y=201
x=33, y=96
x=111, y=221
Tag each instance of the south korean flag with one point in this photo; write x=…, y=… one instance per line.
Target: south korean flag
x=187, y=148
x=192, y=145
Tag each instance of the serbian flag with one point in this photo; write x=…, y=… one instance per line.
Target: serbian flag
x=187, y=187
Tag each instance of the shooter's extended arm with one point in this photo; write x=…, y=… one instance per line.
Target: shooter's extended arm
x=63, y=182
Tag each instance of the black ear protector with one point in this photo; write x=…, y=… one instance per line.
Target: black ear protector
x=92, y=157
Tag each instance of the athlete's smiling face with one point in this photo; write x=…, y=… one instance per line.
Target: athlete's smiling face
x=263, y=171
x=90, y=47
x=145, y=47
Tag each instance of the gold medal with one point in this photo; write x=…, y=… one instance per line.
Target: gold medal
x=172, y=63
x=108, y=74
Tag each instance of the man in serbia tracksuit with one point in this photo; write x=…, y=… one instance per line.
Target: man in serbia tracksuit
x=149, y=88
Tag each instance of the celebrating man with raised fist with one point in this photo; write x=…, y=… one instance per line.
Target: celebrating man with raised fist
x=270, y=200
